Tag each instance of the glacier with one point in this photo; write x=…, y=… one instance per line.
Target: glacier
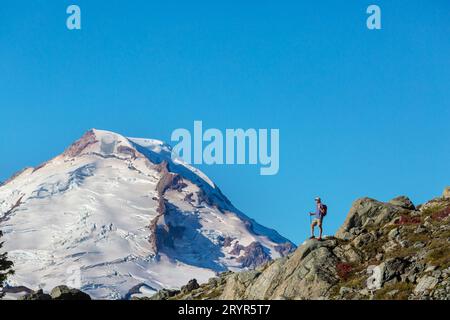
x=127, y=219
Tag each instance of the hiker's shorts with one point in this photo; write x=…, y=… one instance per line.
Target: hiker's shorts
x=317, y=222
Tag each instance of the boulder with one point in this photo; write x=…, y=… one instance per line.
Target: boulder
x=384, y=272
x=403, y=202
x=363, y=240
x=393, y=268
x=425, y=283
x=66, y=293
x=190, y=286
x=348, y=253
x=375, y=280
x=36, y=295
x=164, y=294
x=214, y=282
x=367, y=212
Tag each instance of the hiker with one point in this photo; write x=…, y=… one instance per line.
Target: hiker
x=321, y=211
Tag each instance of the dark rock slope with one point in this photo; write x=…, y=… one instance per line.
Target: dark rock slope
x=384, y=250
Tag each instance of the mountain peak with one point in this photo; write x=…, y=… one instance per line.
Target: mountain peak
x=126, y=215
x=101, y=142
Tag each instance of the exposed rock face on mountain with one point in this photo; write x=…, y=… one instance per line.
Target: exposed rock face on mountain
x=36, y=295
x=66, y=293
x=58, y=293
x=118, y=217
x=383, y=250
x=446, y=193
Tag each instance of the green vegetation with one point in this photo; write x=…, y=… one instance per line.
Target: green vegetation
x=396, y=291
x=435, y=211
x=439, y=255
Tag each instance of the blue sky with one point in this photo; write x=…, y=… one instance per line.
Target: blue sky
x=360, y=112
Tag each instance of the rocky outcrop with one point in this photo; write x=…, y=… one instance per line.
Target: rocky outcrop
x=164, y=294
x=383, y=250
x=128, y=151
x=285, y=249
x=58, y=293
x=168, y=180
x=227, y=241
x=254, y=255
x=403, y=202
x=66, y=293
x=161, y=233
x=78, y=146
x=190, y=286
x=36, y=295
x=308, y=273
x=368, y=213
x=11, y=210
x=446, y=193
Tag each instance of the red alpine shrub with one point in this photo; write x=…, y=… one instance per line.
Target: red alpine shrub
x=408, y=220
x=343, y=270
x=441, y=215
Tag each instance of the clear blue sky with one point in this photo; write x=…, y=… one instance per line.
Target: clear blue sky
x=360, y=113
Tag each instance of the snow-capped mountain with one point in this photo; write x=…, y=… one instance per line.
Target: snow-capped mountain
x=122, y=217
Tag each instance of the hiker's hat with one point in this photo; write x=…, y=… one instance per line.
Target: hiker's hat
x=317, y=198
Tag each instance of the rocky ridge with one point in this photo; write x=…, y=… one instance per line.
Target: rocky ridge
x=58, y=293
x=384, y=250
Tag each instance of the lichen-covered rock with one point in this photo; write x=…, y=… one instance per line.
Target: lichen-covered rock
x=393, y=268
x=66, y=293
x=403, y=202
x=36, y=295
x=366, y=212
x=58, y=293
x=164, y=294
x=375, y=280
x=307, y=274
x=425, y=283
x=363, y=239
x=348, y=253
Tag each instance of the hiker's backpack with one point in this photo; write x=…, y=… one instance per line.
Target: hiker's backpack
x=324, y=210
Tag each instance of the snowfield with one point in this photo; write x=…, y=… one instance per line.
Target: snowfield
x=117, y=217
